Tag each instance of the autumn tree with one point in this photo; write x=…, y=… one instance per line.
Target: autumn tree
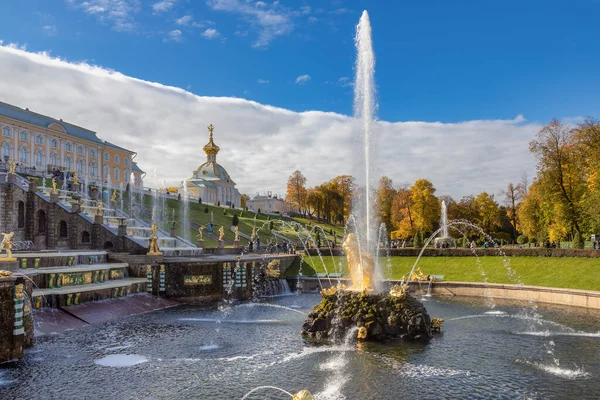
x=512, y=197
x=425, y=211
x=488, y=212
x=560, y=172
x=587, y=137
x=402, y=215
x=296, y=191
x=384, y=198
x=344, y=187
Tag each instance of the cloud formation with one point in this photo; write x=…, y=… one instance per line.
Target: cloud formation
x=210, y=33
x=162, y=6
x=261, y=145
x=302, y=79
x=263, y=81
x=119, y=13
x=174, y=36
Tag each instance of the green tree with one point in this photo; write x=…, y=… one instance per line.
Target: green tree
x=488, y=212
x=235, y=220
x=385, y=197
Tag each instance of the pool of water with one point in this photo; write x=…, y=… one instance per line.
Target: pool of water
x=191, y=352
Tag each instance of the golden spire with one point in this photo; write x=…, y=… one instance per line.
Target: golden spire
x=211, y=148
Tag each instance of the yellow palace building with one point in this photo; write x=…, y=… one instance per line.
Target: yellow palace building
x=40, y=145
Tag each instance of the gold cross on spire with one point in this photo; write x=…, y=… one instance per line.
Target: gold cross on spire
x=211, y=128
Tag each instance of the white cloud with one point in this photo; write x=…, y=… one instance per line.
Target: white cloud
x=271, y=21
x=118, y=12
x=305, y=10
x=210, y=33
x=260, y=4
x=174, y=36
x=49, y=30
x=263, y=81
x=302, y=79
x=312, y=19
x=163, y=6
x=185, y=20
x=459, y=158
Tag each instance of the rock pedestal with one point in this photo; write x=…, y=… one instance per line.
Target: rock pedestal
x=236, y=244
x=75, y=187
x=53, y=197
x=379, y=317
x=11, y=178
x=220, y=244
x=98, y=219
x=201, y=243
x=8, y=264
x=76, y=208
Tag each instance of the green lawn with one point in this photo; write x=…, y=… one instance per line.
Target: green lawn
x=573, y=273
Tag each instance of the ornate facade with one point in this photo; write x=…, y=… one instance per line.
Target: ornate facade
x=211, y=182
x=43, y=143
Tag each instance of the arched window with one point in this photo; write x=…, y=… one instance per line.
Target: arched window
x=54, y=159
x=6, y=150
x=80, y=150
x=68, y=146
x=116, y=173
x=39, y=158
x=39, y=139
x=21, y=215
x=126, y=161
x=6, y=131
x=67, y=164
x=24, y=136
x=116, y=159
x=106, y=171
x=41, y=222
x=126, y=176
x=93, y=169
x=23, y=155
x=54, y=143
x=80, y=166
x=106, y=156
x=85, y=237
x=62, y=230
x=93, y=153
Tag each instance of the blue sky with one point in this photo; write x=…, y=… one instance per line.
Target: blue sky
x=443, y=61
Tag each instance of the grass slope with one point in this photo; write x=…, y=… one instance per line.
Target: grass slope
x=572, y=273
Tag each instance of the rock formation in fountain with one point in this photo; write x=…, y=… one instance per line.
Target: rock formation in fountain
x=377, y=316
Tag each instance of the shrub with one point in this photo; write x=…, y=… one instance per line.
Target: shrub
x=271, y=225
x=218, y=203
x=578, y=241
x=418, y=240
x=199, y=200
x=206, y=209
x=522, y=239
x=259, y=210
x=235, y=220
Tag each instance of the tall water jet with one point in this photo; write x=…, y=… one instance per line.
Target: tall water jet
x=444, y=220
x=364, y=112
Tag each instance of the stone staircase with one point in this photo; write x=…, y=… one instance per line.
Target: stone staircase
x=70, y=278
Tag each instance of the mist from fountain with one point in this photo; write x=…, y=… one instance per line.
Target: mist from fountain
x=444, y=220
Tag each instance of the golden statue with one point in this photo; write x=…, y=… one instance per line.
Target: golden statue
x=399, y=291
x=237, y=234
x=7, y=243
x=114, y=196
x=333, y=290
x=253, y=234
x=19, y=291
x=4, y=274
x=272, y=270
x=99, y=210
x=302, y=395
x=200, y=229
x=153, y=241
x=436, y=324
x=362, y=333
x=221, y=233
x=360, y=266
x=75, y=179
x=54, y=191
x=211, y=128
x=12, y=167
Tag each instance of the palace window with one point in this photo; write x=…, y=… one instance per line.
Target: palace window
x=54, y=143
x=106, y=171
x=116, y=173
x=68, y=147
x=24, y=136
x=93, y=171
x=106, y=156
x=39, y=158
x=93, y=153
x=126, y=161
x=23, y=155
x=126, y=176
x=54, y=159
x=6, y=131
x=67, y=164
x=80, y=166
x=80, y=150
x=116, y=159
x=39, y=139
x=6, y=151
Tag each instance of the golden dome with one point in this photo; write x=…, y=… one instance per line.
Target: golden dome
x=211, y=148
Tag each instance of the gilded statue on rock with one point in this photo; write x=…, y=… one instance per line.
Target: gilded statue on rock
x=114, y=195
x=75, y=179
x=54, y=190
x=12, y=167
x=237, y=234
x=99, y=209
x=360, y=265
x=272, y=270
x=200, y=229
x=221, y=233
